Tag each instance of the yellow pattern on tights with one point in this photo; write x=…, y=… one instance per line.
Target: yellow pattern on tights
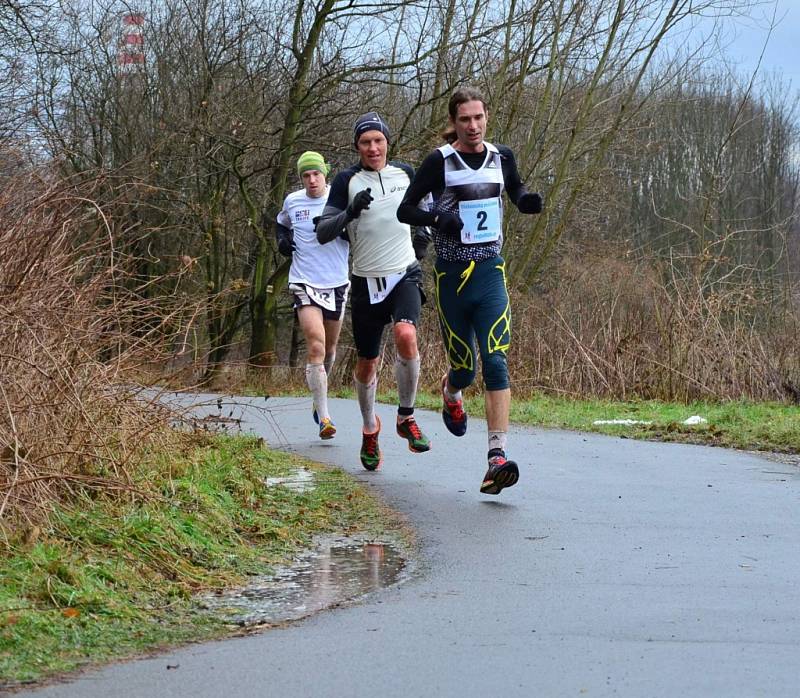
x=459, y=353
x=465, y=276
x=501, y=341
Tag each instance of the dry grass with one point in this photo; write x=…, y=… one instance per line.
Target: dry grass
x=609, y=326
x=637, y=329
x=74, y=325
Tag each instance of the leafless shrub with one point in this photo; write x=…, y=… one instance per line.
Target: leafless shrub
x=622, y=328
x=611, y=325
x=75, y=326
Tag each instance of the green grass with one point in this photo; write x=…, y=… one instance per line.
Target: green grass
x=110, y=578
x=740, y=424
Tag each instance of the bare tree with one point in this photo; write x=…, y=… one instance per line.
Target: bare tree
x=231, y=92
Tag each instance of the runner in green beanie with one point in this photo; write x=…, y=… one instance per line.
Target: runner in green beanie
x=317, y=280
x=311, y=160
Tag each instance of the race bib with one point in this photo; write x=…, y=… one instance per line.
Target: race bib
x=481, y=220
x=325, y=297
x=381, y=286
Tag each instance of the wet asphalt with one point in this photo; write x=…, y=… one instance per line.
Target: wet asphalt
x=614, y=568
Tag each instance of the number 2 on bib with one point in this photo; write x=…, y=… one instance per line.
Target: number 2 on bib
x=481, y=220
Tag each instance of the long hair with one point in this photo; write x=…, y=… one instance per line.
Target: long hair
x=460, y=96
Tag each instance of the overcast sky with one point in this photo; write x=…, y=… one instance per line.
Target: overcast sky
x=746, y=36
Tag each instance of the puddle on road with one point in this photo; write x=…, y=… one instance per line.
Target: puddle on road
x=336, y=571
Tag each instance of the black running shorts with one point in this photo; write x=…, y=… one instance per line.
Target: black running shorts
x=403, y=304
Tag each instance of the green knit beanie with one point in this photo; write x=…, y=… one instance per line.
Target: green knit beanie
x=311, y=161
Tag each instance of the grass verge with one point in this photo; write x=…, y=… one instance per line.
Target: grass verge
x=112, y=578
x=753, y=426
x=772, y=427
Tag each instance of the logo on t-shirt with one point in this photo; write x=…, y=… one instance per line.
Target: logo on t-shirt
x=301, y=215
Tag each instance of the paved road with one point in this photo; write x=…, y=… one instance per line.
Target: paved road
x=615, y=567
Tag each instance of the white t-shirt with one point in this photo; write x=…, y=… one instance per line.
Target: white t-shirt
x=320, y=266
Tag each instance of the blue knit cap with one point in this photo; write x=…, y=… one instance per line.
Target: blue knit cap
x=371, y=121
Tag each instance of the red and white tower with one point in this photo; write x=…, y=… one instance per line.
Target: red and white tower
x=130, y=56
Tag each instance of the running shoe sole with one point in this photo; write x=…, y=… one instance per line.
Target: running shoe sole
x=327, y=431
x=505, y=476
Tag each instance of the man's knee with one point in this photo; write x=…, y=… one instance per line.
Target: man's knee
x=461, y=378
x=365, y=369
x=315, y=348
x=495, y=371
x=405, y=340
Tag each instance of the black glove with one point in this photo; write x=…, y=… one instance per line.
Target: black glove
x=420, y=241
x=361, y=202
x=530, y=202
x=449, y=224
x=286, y=246
x=285, y=238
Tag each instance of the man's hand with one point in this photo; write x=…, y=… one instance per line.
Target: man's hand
x=420, y=240
x=285, y=239
x=286, y=246
x=530, y=202
x=361, y=202
x=449, y=224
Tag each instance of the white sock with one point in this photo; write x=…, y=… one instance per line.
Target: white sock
x=451, y=397
x=497, y=439
x=329, y=359
x=406, y=372
x=317, y=380
x=366, y=402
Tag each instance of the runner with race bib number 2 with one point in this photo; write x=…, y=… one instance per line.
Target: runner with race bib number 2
x=466, y=177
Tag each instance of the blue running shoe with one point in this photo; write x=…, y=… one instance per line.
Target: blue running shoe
x=453, y=415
